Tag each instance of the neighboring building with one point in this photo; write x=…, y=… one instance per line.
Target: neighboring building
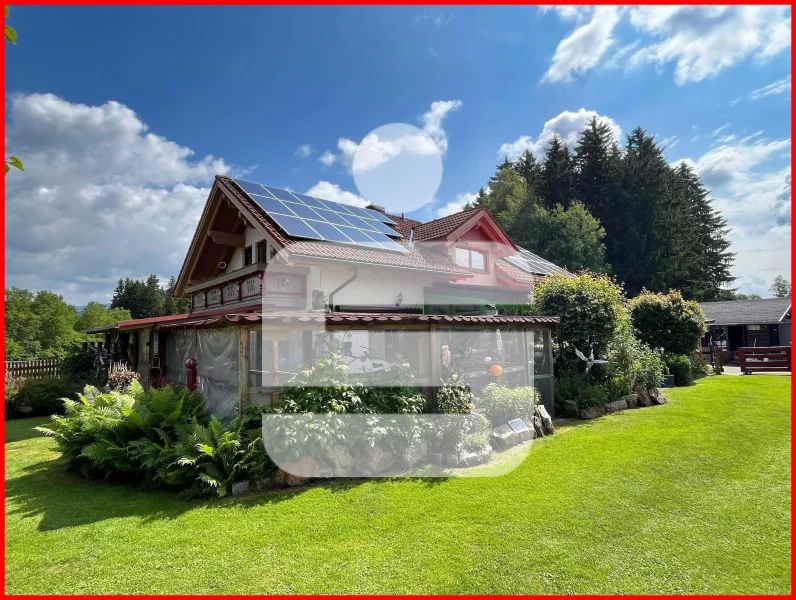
x=747, y=323
x=275, y=278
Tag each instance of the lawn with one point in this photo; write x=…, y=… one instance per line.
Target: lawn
x=691, y=497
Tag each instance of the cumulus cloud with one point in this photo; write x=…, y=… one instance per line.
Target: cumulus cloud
x=750, y=181
x=333, y=192
x=101, y=197
x=585, y=46
x=457, y=204
x=703, y=40
x=304, y=151
x=376, y=149
x=567, y=125
x=699, y=41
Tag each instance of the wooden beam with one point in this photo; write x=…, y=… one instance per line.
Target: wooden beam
x=222, y=238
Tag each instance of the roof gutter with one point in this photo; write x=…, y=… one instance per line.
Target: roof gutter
x=449, y=274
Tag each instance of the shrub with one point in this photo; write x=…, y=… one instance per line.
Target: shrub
x=457, y=434
x=578, y=389
x=680, y=367
x=321, y=388
x=78, y=364
x=667, y=321
x=702, y=367
x=13, y=385
x=454, y=399
x=589, y=306
x=120, y=376
x=396, y=396
x=631, y=362
x=39, y=397
x=158, y=437
x=502, y=404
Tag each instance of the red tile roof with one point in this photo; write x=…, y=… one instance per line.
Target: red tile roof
x=439, y=228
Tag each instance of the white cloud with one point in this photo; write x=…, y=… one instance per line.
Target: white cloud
x=327, y=159
x=304, y=151
x=567, y=12
x=750, y=182
x=780, y=86
x=432, y=139
x=333, y=192
x=567, y=125
x=720, y=129
x=585, y=46
x=704, y=40
x=100, y=197
x=457, y=204
x=699, y=41
x=670, y=142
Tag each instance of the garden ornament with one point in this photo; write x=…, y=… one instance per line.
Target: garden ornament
x=591, y=360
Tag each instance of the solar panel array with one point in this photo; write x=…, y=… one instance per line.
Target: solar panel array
x=302, y=216
x=530, y=263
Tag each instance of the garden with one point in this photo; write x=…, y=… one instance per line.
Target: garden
x=689, y=497
x=328, y=422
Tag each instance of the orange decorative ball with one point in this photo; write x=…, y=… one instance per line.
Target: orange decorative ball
x=496, y=370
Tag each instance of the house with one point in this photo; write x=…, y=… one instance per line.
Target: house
x=276, y=278
x=746, y=323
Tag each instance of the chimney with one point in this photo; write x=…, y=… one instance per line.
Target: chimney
x=377, y=207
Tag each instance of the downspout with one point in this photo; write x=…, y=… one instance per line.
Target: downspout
x=341, y=286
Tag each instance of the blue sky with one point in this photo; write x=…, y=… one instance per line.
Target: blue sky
x=123, y=114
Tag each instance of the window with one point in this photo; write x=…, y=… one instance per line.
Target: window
x=262, y=256
x=247, y=256
x=471, y=259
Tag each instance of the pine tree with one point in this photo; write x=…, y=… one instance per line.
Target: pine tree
x=530, y=169
x=597, y=175
x=558, y=174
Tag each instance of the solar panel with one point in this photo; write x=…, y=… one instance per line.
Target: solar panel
x=333, y=217
x=383, y=228
x=296, y=227
x=271, y=205
x=531, y=263
x=303, y=216
x=303, y=211
x=379, y=216
x=281, y=194
x=329, y=232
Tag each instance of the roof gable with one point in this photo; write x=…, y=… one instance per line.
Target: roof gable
x=747, y=312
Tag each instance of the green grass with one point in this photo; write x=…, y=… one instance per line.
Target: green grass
x=691, y=497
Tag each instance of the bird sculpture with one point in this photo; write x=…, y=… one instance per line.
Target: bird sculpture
x=590, y=361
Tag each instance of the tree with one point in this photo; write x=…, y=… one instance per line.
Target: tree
x=558, y=183
x=780, y=287
x=12, y=161
x=746, y=297
x=56, y=324
x=22, y=325
x=147, y=298
x=571, y=237
x=96, y=314
x=668, y=321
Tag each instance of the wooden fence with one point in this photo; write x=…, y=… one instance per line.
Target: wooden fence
x=33, y=369
x=765, y=359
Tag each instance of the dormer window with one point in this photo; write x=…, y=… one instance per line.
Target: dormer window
x=471, y=259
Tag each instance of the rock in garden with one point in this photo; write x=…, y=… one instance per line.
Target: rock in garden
x=296, y=472
x=436, y=458
x=416, y=452
x=377, y=460
x=239, y=487
x=538, y=427
x=570, y=408
x=504, y=437
x=616, y=406
x=547, y=423
x=486, y=453
x=471, y=459
x=631, y=399
x=526, y=435
x=657, y=397
x=341, y=461
x=643, y=395
x=452, y=460
x=592, y=412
